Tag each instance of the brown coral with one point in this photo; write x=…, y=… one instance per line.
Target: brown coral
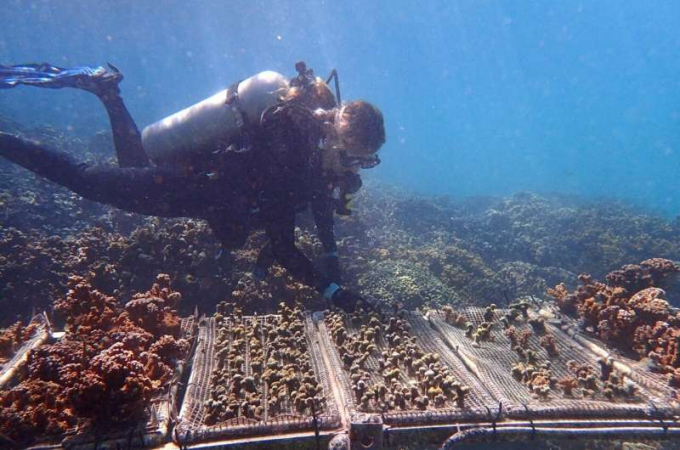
x=13, y=337
x=105, y=370
x=629, y=312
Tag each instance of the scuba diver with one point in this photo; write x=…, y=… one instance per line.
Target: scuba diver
x=252, y=156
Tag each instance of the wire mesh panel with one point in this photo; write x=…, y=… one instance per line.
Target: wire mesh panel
x=537, y=370
x=40, y=332
x=256, y=376
x=150, y=431
x=640, y=372
x=401, y=369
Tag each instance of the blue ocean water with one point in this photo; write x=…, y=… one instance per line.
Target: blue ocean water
x=480, y=97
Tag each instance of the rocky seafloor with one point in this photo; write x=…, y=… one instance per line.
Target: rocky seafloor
x=417, y=251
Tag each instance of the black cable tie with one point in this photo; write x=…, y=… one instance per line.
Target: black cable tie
x=500, y=411
x=654, y=411
x=492, y=419
x=531, y=421
x=185, y=444
x=488, y=412
x=315, y=423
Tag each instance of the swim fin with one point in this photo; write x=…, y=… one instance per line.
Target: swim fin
x=93, y=79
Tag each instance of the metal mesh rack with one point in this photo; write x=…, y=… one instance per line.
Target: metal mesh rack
x=192, y=425
x=479, y=404
x=492, y=360
x=636, y=371
x=153, y=431
x=40, y=336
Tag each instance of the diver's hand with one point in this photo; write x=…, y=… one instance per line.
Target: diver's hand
x=332, y=264
x=260, y=273
x=342, y=298
x=346, y=300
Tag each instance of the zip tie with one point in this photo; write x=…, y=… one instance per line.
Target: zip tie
x=653, y=410
x=315, y=423
x=531, y=421
x=500, y=410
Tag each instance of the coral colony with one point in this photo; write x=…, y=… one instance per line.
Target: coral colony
x=628, y=312
x=476, y=273
x=412, y=379
x=112, y=361
x=277, y=358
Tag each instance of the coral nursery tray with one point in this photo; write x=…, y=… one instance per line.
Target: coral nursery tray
x=39, y=330
x=400, y=369
x=152, y=431
x=256, y=376
x=638, y=371
x=537, y=370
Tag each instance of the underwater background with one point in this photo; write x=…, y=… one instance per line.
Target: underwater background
x=479, y=97
x=528, y=142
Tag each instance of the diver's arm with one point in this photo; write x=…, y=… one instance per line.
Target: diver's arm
x=281, y=233
x=322, y=210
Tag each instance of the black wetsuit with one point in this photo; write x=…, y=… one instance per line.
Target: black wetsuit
x=236, y=191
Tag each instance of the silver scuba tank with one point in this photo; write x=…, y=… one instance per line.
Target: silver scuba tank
x=214, y=122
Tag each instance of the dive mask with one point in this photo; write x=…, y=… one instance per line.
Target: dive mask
x=365, y=162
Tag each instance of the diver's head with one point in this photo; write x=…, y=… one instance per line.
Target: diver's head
x=356, y=134
x=313, y=96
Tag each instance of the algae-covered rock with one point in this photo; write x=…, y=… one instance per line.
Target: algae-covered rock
x=409, y=284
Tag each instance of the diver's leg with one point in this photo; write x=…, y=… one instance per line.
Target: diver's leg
x=126, y=137
x=150, y=190
x=55, y=166
x=127, y=140
x=265, y=259
x=101, y=81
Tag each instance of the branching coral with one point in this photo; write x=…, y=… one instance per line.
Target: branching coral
x=12, y=338
x=629, y=312
x=257, y=355
x=550, y=344
x=411, y=379
x=155, y=310
x=85, y=309
x=105, y=370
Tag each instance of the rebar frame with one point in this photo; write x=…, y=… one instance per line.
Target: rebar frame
x=479, y=404
x=492, y=361
x=42, y=333
x=192, y=427
x=154, y=431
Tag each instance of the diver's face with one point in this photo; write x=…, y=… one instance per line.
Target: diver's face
x=331, y=159
x=342, y=155
x=339, y=159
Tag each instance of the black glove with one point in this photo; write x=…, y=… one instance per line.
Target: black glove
x=333, y=272
x=350, y=183
x=343, y=204
x=346, y=300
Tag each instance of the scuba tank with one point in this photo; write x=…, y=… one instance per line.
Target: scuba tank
x=215, y=122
